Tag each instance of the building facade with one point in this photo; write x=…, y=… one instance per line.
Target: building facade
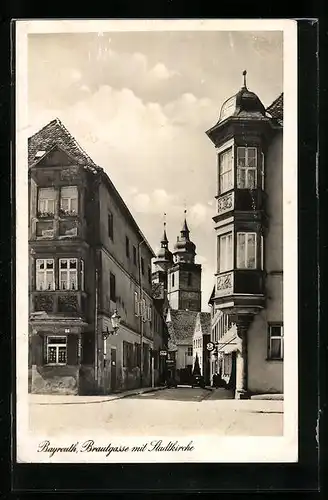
x=201, y=338
x=88, y=261
x=247, y=299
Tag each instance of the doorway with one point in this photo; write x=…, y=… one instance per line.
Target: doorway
x=113, y=369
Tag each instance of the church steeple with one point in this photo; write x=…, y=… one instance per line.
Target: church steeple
x=164, y=257
x=184, y=249
x=184, y=276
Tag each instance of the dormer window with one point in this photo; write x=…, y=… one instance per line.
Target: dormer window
x=225, y=171
x=68, y=200
x=246, y=168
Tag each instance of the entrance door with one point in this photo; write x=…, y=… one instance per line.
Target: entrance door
x=113, y=369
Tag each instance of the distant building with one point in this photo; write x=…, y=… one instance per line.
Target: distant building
x=177, y=279
x=88, y=259
x=247, y=299
x=201, y=337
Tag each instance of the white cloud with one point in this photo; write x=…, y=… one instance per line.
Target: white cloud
x=161, y=72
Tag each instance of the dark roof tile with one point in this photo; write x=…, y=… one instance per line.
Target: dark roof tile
x=276, y=109
x=55, y=133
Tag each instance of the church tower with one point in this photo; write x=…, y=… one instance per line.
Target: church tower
x=184, y=276
x=162, y=262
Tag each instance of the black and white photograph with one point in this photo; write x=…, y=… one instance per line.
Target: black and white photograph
x=156, y=222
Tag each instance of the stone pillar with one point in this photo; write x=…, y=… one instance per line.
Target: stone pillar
x=242, y=324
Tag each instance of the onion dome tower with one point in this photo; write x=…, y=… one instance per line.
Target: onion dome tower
x=184, y=276
x=162, y=262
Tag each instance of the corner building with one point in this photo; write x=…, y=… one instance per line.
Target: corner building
x=247, y=299
x=87, y=259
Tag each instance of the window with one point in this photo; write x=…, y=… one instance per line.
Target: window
x=189, y=279
x=68, y=199
x=127, y=247
x=149, y=275
x=136, y=304
x=128, y=355
x=149, y=313
x=134, y=255
x=82, y=274
x=142, y=266
x=46, y=203
x=56, y=350
x=45, y=276
x=68, y=274
x=276, y=342
x=262, y=172
x=225, y=252
x=246, y=250
x=110, y=224
x=189, y=351
x=262, y=253
x=246, y=168
x=172, y=280
x=112, y=287
x=225, y=171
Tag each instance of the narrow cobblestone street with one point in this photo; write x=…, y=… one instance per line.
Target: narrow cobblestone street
x=179, y=411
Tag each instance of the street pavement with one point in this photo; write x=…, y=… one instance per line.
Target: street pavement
x=180, y=411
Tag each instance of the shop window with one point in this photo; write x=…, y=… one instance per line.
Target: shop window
x=276, y=341
x=56, y=350
x=45, y=276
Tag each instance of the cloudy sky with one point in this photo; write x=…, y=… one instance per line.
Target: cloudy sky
x=140, y=103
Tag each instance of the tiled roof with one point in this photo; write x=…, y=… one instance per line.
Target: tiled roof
x=182, y=326
x=56, y=134
x=276, y=109
x=205, y=321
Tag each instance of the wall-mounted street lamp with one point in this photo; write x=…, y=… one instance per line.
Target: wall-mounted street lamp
x=115, y=321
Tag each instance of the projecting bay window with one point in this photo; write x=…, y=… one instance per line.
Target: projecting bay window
x=68, y=274
x=225, y=253
x=69, y=200
x=246, y=250
x=246, y=168
x=276, y=342
x=45, y=275
x=46, y=201
x=56, y=350
x=225, y=171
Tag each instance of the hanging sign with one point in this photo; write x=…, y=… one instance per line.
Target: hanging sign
x=210, y=346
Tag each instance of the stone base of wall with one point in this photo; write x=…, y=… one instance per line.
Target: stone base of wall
x=87, y=384
x=55, y=379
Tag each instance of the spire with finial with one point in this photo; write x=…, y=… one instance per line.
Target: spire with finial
x=164, y=239
x=244, y=75
x=185, y=230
